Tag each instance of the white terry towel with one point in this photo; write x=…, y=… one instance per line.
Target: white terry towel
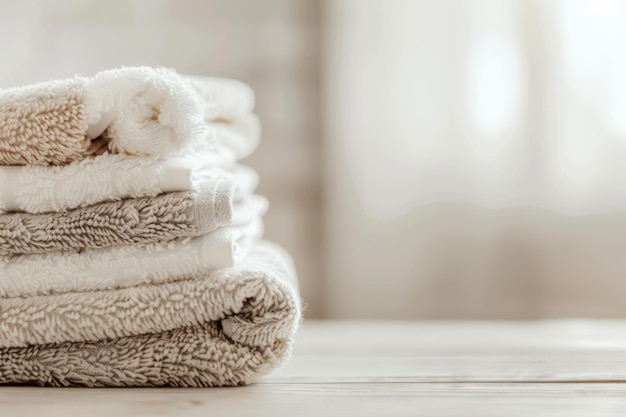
x=127, y=266
x=38, y=189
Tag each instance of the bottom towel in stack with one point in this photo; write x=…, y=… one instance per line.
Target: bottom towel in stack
x=177, y=322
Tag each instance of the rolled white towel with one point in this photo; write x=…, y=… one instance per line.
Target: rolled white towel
x=134, y=111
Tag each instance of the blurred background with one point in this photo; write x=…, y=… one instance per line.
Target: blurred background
x=424, y=159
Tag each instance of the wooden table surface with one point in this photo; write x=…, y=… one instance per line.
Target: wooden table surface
x=546, y=368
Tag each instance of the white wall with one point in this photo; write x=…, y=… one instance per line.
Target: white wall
x=475, y=158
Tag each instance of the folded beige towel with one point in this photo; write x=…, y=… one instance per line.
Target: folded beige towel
x=136, y=111
x=161, y=219
x=228, y=327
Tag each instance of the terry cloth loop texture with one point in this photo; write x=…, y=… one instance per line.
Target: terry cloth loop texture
x=43, y=124
x=35, y=189
x=228, y=327
x=123, y=266
x=134, y=111
x=161, y=219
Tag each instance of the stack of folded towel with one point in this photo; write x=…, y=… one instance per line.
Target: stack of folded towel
x=130, y=238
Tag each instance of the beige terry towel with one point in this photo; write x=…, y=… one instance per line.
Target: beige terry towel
x=228, y=327
x=161, y=219
x=136, y=111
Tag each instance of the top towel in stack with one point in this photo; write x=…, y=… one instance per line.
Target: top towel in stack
x=130, y=237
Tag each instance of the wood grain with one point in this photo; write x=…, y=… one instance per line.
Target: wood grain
x=548, y=368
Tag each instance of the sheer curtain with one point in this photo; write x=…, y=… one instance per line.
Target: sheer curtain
x=476, y=157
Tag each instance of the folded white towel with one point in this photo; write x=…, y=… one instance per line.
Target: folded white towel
x=127, y=266
x=38, y=189
x=229, y=102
